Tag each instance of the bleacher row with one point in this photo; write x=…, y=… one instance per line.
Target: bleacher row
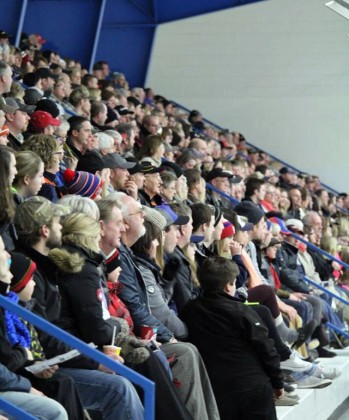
x=321, y=404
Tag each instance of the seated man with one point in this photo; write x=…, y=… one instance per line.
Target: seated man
x=241, y=360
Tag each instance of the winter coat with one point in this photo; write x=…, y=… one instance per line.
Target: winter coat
x=134, y=295
x=84, y=294
x=286, y=260
x=234, y=344
x=48, y=307
x=156, y=297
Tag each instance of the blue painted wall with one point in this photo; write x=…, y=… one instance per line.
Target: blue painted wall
x=127, y=31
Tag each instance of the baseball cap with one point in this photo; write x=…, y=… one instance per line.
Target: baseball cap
x=285, y=170
x=244, y=224
x=18, y=105
x=4, y=106
x=36, y=212
x=295, y=225
x=114, y=160
x=250, y=210
x=122, y=110
x=91, y=161
x=218, y=173
x=41, y=119
x=44, y=73
x=171, y=217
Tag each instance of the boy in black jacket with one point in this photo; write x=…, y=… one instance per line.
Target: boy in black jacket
x=241, y=360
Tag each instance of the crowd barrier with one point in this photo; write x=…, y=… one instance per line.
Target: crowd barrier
x=147, y=385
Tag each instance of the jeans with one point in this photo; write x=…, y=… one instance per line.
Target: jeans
x=42, y=408
x=112, y=395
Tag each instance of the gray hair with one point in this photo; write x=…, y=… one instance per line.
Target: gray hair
x=79, y=204
x=105, y=141
x=118, y=198
x=3, y=67
x=113, y=133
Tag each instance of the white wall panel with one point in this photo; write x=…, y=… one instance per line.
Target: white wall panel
x=278, y=71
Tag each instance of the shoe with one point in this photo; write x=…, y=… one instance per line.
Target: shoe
x=287, y=377
x=290, y=390
x=325, y=372
x=325, y=353
x=313, y=344
x=295, y=364
x=286, y=401
x=312, y=382
x=304, y=333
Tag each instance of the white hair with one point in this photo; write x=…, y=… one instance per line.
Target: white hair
x=79, y=204
x=105, y=141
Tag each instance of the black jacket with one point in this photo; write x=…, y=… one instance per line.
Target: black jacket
x=85, y=301
x=234, y=343
x=286, y=261
x=48, y=307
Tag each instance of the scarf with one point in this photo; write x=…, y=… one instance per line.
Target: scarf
x=17, y=332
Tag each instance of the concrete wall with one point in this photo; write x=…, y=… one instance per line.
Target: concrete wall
x=277, y=71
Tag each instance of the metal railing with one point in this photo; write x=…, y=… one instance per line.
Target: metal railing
x=147, y=385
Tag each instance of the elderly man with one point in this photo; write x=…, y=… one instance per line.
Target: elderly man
x=5, y=77
x=221, y=180
x=189, y=370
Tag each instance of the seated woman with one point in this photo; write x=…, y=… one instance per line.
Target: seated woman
x=152, y=150
x=51, y=153
x=30, y=175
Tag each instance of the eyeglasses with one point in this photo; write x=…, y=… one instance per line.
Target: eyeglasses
x=138, y=212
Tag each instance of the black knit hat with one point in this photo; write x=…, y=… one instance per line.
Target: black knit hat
x=253, y=213
x=22, y=269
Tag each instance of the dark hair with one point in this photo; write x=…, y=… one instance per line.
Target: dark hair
x=149, y=146
x=143, y=245
x=75, y=123
x=6, y=201
x=253, y=184
x=193, y=177
x=201, y=214
x=216, y=272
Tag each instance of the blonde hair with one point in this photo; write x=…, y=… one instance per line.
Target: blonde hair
x=82, y=230
x=329, y=244
x=192, y=266
x=27, y=164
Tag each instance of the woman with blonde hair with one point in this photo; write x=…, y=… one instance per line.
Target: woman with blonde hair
x=51, y=153
x=30, y=175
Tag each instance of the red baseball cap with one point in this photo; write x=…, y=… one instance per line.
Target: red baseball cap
x=41, y=119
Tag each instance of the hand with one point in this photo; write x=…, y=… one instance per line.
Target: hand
x=235, y=248
x=290, y=312
x=278, y=394
x=297, y=296
x=47, y=373
x=131, y=188
x=173, y=340
x=4, y=418
x=114, y=275
x=116, y=358
x=34, y=391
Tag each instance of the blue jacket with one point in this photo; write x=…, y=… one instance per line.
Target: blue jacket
x=134, y=295
x=9, y=381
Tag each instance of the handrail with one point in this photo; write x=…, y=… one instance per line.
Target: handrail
x=323, y=289
x=256, y=147
x=320, y=251
x=146, y=384
x=15, y=411
x=227, y=196
x=336, y=329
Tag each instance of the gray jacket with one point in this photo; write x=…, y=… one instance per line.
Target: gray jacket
x=156, y=298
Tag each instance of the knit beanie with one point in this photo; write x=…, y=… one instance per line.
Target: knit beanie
x=228, y=230
x=82, y=183
x=155, y=217
x=253, y=213
x=22, y=269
